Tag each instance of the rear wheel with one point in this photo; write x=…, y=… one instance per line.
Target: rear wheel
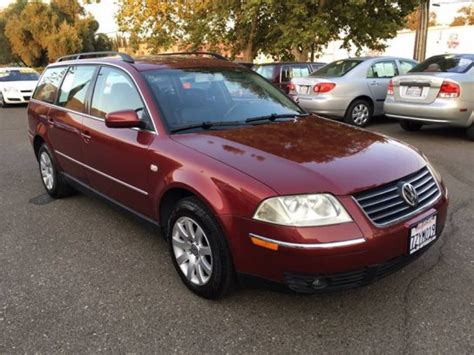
x=410, y=125
x=470, y=132
x=199, y=249
x=359, y=113
x=53, y=182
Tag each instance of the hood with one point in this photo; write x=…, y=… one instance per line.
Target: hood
x=308, y=155
x=20, y=85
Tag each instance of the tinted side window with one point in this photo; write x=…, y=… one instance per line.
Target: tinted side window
x=405, y=66
x=74, y=87
x=48, y=86
x=115, y=91
x=383, y=70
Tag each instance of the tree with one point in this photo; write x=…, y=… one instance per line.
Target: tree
x=286, y=29
x=39, y=32
x=466, y=16
x=412, y=20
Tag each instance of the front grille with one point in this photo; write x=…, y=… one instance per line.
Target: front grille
x=26, y=91
x=385, y=204
x=26, y=98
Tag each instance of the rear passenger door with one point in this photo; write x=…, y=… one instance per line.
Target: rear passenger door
x=66, y=116
x=378, y=77
x=118, y=158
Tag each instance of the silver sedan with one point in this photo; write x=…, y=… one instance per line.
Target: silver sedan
x=353, y=89
x=439, y=90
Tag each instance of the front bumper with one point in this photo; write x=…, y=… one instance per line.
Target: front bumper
x=16, y=98
x=383, y=249
x=445, y=111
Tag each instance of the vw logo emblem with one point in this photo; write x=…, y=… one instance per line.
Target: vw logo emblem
x=409, y=194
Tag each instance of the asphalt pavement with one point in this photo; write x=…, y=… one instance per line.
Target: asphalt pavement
x=79, y=276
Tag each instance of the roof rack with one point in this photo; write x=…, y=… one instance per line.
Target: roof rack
x=125, y=57
x=209, y=54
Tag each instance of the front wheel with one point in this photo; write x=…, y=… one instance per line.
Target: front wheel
x=2, y=101
x=359, y=113
x=199, y=249
x=410, y=125
x=53, y=182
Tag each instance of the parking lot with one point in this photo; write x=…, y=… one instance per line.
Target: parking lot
x=79, y=276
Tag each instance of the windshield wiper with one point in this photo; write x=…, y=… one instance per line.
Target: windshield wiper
x=275, y=116
x=207, y=125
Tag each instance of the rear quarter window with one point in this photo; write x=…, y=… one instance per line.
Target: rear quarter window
x=47, y=88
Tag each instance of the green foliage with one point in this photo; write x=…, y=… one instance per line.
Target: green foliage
x=39, y=32
x=283, y=28
x=466, y=16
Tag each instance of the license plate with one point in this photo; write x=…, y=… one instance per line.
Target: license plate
x=422, y=234
x=414, y=91
x=304, y=89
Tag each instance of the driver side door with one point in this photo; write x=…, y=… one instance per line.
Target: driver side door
x=118, y=158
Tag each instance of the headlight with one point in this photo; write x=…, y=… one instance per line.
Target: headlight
x=302, y=210
x=9, y=89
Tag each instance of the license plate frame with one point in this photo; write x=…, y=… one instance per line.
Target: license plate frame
x=414, y=91
x=422, y=233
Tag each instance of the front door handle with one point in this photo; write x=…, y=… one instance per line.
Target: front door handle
x=86, y=136
x=50, y=121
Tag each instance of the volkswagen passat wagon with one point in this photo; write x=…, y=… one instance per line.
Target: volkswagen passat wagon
x=243, y=182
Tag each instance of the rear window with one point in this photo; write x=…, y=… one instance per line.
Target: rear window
x=450, y=63
x=47, y=88
x=265, y=70
x=337, y=69
x=18, y=75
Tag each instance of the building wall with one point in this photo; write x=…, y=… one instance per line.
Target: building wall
x=441, y=39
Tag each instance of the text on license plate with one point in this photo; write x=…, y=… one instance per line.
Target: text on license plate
x=414, y=91
x=422, y=234
x=304, y=89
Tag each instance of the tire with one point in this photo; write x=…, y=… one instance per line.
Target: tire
x=2, y=102
x=410, y=126
x=203, y=262
x=470, y=132
x=53, y=182
x=359, y=113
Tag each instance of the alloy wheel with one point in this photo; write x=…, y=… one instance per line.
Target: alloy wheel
x=192, y=251
x=360, y=114
x=47, y=172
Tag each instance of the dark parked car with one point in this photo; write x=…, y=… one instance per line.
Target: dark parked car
x=241, y=180
x=281, y=74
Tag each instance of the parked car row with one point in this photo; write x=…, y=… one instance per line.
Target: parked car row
x=243, y=182
x=438, y=90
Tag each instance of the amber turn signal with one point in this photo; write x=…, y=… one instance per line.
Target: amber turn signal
x=264, y=244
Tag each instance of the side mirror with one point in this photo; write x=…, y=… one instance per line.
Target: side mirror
x=123, y=119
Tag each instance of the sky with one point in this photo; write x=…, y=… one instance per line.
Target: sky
x=105, y=11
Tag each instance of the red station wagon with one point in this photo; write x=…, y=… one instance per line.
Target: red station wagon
x=243, y=182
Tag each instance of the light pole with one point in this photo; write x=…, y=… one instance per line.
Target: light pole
x=421, y=36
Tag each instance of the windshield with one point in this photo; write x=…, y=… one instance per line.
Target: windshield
x=265, y=70
x=337, y=69
x=449, y=63
x=193, y=96
x=18, y=75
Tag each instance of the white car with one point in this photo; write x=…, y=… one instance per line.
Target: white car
x=17, y=85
